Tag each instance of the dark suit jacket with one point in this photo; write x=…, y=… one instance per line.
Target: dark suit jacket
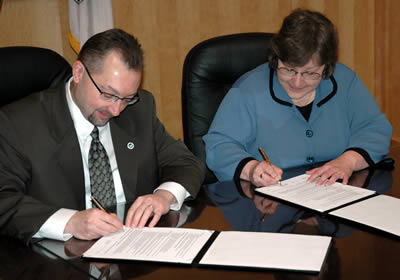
x=41, y=165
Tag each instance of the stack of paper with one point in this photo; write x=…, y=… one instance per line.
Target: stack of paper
x=316, y=197
x=233, y=248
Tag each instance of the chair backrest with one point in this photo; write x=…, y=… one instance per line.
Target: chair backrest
x=25, y=70
x=209, y=70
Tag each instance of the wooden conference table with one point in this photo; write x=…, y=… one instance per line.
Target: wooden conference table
x=358, y=252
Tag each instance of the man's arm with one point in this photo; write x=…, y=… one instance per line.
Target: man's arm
x=181, y=176
x=176, y=162
x=20, y=215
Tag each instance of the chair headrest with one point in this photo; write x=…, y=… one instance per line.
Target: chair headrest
x=25, y=70
x=210, y=69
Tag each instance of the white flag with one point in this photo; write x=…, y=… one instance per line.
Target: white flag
x=86, y=18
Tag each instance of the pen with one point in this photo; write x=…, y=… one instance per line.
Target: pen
x=266, y=159
x=98, y=204
x=263, y=217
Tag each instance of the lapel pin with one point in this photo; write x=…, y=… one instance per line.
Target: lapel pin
x=130, y=145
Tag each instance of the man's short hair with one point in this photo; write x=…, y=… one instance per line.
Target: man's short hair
x=97, y=47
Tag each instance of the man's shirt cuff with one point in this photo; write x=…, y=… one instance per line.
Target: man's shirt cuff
x=54, y=227
x=178, y=191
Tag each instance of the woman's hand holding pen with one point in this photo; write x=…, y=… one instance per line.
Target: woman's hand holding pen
x=261, y=173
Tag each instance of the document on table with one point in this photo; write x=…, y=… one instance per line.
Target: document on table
x=176, y=245
x=230, y=248
x=320, y=198
x=268, y=250
x=381, y=212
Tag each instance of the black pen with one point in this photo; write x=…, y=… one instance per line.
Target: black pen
x=98, y=204
x=266, y=159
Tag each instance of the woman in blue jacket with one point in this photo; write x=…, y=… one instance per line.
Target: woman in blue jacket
x=302, y=107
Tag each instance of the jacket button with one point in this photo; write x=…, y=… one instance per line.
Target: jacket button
x=310, y=159
x=309, y=133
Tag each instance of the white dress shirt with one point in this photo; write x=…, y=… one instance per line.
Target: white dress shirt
x=54, y=226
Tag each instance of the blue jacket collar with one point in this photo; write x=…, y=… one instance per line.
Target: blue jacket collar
x=290, y=104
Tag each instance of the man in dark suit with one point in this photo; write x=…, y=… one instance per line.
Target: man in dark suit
x=46, y=144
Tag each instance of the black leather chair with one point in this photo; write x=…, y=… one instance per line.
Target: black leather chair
x=209, y=70
x=25, y=70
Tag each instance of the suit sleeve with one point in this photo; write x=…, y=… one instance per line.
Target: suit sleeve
x=20, y=215
x=176, y=162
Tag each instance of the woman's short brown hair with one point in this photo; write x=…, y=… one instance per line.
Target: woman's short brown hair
x=303, y=34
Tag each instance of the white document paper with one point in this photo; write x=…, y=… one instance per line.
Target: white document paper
x=268, y=250
x=176, y=245
x=317, y=197
x=381, y=212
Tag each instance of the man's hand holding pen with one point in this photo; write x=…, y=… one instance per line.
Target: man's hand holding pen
x=92, y=223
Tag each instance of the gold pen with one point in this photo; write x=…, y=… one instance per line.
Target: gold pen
x=264, y=217
x=266, y=159
x=98, y=204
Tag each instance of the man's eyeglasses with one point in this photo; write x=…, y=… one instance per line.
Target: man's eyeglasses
x=289, y=72
x=112, y=97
